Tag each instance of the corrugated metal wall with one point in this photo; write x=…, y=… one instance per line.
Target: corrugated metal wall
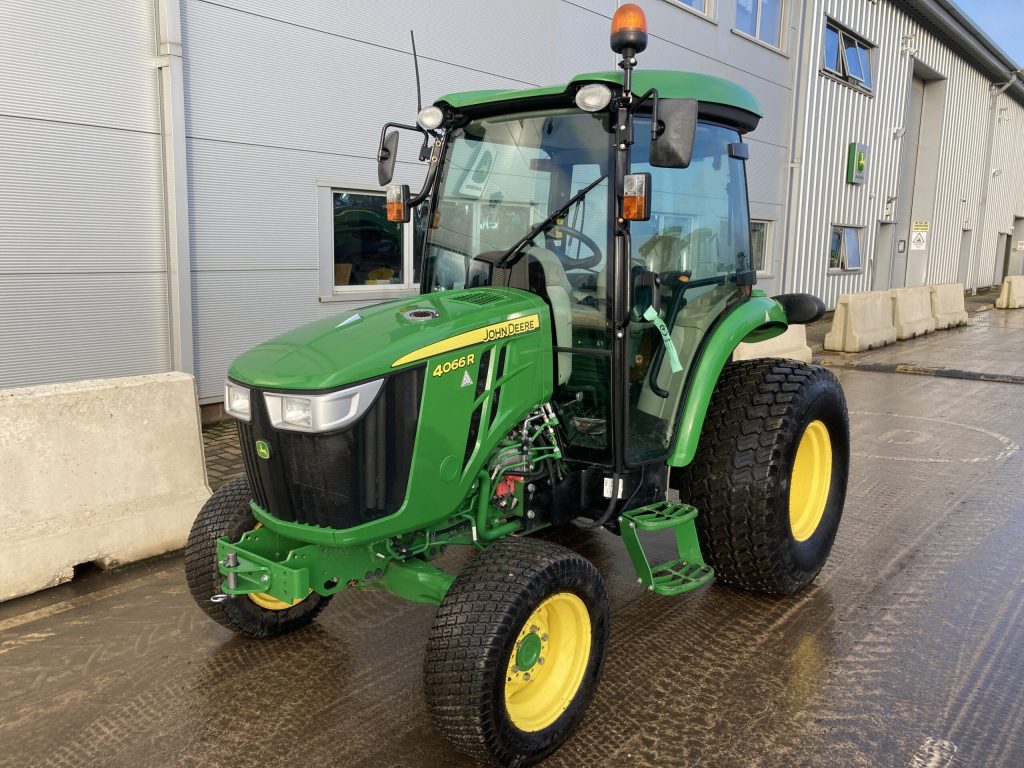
x=833, y=115
x=1006, y=178
x=82, y=262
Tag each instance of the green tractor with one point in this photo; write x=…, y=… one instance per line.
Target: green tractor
x=585, y=280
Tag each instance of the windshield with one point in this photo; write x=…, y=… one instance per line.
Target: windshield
x=505, y=175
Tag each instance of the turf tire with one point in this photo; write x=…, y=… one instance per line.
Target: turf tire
x=473, y=637
x=739, y=480
x=227, y=513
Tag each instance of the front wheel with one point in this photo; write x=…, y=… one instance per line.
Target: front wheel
x=769, y=477
x=516, y=651
x=227, y=513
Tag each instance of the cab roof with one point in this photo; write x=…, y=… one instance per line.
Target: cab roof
x=670, y=85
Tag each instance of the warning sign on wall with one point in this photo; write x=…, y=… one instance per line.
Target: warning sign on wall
x=919, y=226
x=919, y=241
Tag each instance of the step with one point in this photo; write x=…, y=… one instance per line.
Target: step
x=682, y=574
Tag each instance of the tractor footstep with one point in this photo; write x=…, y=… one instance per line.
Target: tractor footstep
x=676, y=576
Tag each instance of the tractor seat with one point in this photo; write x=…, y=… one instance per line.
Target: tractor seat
x=554, y=287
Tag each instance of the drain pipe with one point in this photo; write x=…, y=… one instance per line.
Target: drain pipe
x=169, y=63
x=994, y=92
x=795, y=162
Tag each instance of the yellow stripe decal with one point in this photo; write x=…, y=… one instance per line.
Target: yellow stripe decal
x=504, y=329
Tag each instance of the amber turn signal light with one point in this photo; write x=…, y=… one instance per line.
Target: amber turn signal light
x=398, y=203
x=636, y=202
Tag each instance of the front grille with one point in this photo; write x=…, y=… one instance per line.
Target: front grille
x=337, y=479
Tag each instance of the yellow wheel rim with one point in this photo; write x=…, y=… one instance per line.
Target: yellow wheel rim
x=548, y=662
x=271, y=603
x=810, y=481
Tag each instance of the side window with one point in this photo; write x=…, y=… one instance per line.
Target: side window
x=361, y=252
x=846, y=56
x=367, y=247
x=844, y=249
x=699, y=217
x=760, y=237
x=761, y=19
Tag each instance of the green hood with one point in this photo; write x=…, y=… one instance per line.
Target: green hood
x=371, y=341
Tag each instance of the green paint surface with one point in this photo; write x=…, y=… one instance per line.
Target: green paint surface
x=670, y=85
x=363, y=344
x=529, y=652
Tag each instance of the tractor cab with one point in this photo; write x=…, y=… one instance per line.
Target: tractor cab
x=621, y=200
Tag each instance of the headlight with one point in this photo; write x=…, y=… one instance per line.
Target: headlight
x=298, y=411
x=321, y=413
x=236, y=401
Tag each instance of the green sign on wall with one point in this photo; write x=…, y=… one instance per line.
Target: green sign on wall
x=856, y=163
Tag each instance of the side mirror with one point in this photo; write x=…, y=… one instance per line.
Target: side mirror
x=386, y=157
x=673, y=146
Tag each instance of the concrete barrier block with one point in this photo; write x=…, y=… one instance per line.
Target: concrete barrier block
x=1011, y=296
x=105, y=471
x=791, y=345
x=861, y=321
x=912, y=311
x=948, y=308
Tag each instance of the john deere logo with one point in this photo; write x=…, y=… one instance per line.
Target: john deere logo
x=262, y=449
x=860, y=162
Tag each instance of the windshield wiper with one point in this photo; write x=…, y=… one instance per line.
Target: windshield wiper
x=503, y=260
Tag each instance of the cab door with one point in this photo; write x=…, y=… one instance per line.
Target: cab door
x=697, y=241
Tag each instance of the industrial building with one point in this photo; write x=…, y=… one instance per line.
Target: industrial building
x=173, y=173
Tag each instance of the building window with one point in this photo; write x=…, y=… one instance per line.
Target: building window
x=847, y=56
x=761, y=19
x=759, y=239
x=701, y=6
x=360, y=250
x=844, y=249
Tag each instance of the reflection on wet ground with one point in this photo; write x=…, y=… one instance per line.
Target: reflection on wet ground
x=910, y=636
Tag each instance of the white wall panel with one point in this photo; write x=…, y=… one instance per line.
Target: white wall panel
x=65, y=327
x=79, y=199
x=235, y=310
x=80, y=62
x=83, y=289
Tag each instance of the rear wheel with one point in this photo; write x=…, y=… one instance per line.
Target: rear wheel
x=769, y=477
x=227, y=513
x=516, y=651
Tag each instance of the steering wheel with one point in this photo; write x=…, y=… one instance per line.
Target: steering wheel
x=585, y=262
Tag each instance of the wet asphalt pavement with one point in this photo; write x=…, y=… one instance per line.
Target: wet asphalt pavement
x=910, y=641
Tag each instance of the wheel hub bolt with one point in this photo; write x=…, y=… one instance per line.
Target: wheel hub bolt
x=526, y=675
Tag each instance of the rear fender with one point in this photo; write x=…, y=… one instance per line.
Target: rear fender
x=757, y=319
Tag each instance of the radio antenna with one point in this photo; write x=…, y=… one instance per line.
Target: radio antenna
x=416, y=64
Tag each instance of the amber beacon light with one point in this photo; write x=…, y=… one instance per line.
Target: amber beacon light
x=629, y=30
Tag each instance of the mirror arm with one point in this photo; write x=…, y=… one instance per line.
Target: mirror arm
x=383, y=132
x=436, y=153
x=653, y=95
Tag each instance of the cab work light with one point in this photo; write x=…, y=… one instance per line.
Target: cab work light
x=398, y=203
x=636, y=202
